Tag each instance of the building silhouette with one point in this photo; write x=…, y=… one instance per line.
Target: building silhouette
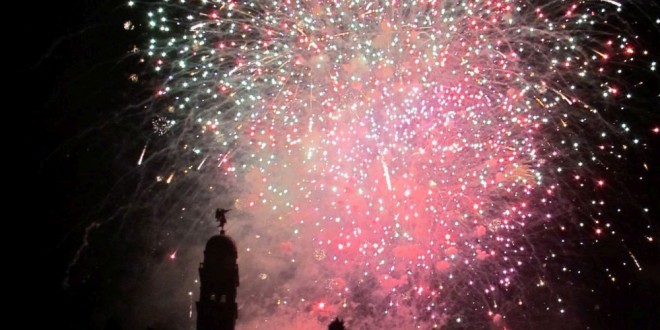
x=337, y=324
x=218, y=274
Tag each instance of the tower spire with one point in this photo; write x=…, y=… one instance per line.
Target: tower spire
x=218, y=274
x=221, y=219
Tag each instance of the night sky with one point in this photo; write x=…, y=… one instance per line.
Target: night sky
x=85, y=132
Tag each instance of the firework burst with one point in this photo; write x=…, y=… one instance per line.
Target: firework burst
x=398, y=163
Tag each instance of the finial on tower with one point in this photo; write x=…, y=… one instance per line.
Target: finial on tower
x=222, y=220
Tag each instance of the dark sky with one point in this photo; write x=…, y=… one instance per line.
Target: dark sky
x=77, y=130
x=79, y=159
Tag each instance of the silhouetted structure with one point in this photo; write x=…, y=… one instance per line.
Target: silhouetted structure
x=218, y=274
x=220, y=217
x=337, y=324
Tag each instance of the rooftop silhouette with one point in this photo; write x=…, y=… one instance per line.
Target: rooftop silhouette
x=337, y=324
x=218, y=274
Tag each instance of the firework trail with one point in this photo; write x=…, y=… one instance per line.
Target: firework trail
x=397, y=163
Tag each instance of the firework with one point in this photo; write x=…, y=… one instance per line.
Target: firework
x=397, y=163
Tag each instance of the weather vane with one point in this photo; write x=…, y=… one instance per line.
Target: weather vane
x=222, y=220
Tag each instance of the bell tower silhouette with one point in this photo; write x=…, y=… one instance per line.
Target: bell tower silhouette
x=218, y=274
